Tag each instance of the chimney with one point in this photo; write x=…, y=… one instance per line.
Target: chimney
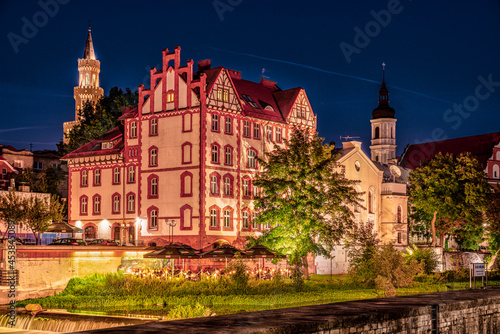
x=267, y=83
x=203, y=65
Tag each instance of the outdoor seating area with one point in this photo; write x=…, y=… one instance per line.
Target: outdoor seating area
x=183, y=261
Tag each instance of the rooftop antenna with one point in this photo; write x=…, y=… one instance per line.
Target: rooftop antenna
x=347, y=138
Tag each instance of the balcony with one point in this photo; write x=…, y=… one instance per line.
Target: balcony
x=393, y=188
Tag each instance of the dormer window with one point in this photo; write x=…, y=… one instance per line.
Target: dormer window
x=170, y=97
x=250, y=101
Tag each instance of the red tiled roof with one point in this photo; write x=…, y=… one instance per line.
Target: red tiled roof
x=129, y=113
x=481, y=146
x=94, y=147
x=4, y=161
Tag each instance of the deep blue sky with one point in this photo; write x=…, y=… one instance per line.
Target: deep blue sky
x=434, y=53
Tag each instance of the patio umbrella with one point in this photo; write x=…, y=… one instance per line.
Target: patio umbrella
x=224, y=251
x=262, y=252
x=63, y=227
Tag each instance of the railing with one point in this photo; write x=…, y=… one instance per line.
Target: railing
x=393, y=188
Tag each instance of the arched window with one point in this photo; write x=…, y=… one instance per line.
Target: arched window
x=228, y=157
x=186, y=184
x=116, y=203
x=496, y=171
x=214, y=184
x=83, y=205
x=498, y=156
x=131, y=174
x=84, y=178
x=392, y=132
x=153, y=218
x=371, y=201
x=246, y=187
x=229, y=125
x=130, y=203
x=228, y=185
x=186, y=217
x=90, y=232
x=214, y=218
x=116, y=233
x=97, y=204
x=215, y=153
x=116, y=175
x=153, y=186
x=97, y=177
x=228, y=218
x=246, y=220
x=215, y=122
x=153, y=157
x=400, y=214
x=186, y=153
x=252, y=161
x=377, y=133
x=278, y=135
x=186, y=122
x=131, y=234
x=153, y=127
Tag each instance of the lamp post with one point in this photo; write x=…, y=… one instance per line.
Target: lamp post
x=171, y=224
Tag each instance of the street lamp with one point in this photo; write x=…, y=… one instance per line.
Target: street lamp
x=171, y=224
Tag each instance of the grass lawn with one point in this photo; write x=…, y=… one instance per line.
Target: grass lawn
x=177, y=298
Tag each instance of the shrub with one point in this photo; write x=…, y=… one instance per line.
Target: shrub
x=188, y=311
x=383, y=283
x=238, y=274
x=426, y=256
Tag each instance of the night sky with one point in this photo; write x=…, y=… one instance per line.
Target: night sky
x=437, y=53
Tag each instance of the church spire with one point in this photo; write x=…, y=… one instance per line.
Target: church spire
x=88, y=53
x=383, y=110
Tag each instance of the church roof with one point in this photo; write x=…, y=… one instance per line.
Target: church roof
x=480, y=146
x=383, y=110
x=88, y=53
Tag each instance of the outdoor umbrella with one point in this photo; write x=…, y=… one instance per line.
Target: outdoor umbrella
x=262, y=252
x=224, y=251
x=63, y=227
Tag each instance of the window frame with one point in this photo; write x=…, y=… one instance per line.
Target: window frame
x=153, y=127
x=115, y=203
x=215, y=123
x=246, y=129
x=116, y=175
x=84, y=205
x=133, y=129
x=228, y=125
x=97, y=177
x=84, y=178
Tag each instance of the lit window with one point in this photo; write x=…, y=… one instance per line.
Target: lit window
x=225, y=95
x=246, y=221
x=133, y=130
x=131, y=174
x=213, y=218
x=278, y=135
x=170, y=97
x=153, y=127
x=215, y=122
x=227, y=218
x=84, y=178
x=256, y=131
x=252, y=159
x=116, y=175
x=153, y=221
x=228, y=156
x=153, y=155
x=131, y=203
x=97, y=177
x=116, y=203
x=215, y=154
x=246, y=129
x=219, y=94
x=229, y=125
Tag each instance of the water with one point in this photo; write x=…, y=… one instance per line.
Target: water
x=67, y=322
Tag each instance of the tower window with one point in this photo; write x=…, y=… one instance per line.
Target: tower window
x=377, y=133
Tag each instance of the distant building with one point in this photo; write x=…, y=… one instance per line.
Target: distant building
x=187, y=154
x=88, y=85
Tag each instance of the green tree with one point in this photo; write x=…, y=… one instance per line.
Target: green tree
x=493, y=224
x=27, y=176
x=99, y=118
x=304, y=198
x=40, y=213
x=49, y=179
x=450, y=192
x=12, y=208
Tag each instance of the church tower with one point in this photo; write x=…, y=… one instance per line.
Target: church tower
x=88, y=85
x=383, y=143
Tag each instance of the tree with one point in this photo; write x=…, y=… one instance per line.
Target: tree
x=49, y=179
x=451, y=192
x=99, y=118
x=39, y=214
x=304, y=198
x=493, y=225
x=12, y=208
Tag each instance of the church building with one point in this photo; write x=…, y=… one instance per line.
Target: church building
x=181, y=164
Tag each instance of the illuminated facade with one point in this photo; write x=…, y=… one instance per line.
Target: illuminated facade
x=188, y=153
x=88, y=84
